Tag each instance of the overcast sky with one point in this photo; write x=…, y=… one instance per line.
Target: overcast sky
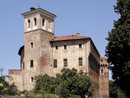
x=92, y=18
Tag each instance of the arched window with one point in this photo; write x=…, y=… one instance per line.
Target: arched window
x=102, y=72
x=35, y=21
x=29, y=23
x=43, y=22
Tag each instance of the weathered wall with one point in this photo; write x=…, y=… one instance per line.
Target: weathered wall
x=104, y=79
x=41, y=54
x=94, y=64
x=16, y=77
x=72, y=54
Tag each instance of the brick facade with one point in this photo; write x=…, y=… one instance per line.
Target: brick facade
x=43, y=53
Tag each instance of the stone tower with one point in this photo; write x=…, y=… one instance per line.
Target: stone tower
x=38, y=31
x=104, y=78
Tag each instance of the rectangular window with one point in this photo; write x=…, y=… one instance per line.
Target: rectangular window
x=31, y=44
x=43, y=21
x=65, y=46
x=31, y=79
x=56, y=47
x=35, y=21
x=80, y=45
x=29, y=24
x=65, y=63
x=55, y=63
x=31, y=63
x=80, y=62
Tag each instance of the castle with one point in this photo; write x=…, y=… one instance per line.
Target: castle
x=43, y=53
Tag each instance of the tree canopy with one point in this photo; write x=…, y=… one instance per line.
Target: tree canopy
x=115, y=91
x=6, y=88
x=118, y=48
x=70, y=83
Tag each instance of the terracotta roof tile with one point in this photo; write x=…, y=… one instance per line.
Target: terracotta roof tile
x=102, y=58
x=69, y=37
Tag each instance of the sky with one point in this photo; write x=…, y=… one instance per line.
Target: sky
x=92, y=18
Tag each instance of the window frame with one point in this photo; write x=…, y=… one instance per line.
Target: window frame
x=65, y=62
x=65, y=47
x=56, y=47
x=29, y=23
x=31, y=63
x=43, y=22
x=35, y=21
x=31, y=79
x=31, y=44
x=80, y=61
x=55, y=63
x=80, y=45
x=102, y=72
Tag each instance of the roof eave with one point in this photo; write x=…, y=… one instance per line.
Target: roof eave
x=39, y=10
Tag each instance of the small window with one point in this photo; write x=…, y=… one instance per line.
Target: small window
x=56, y=47
x=23, y=65
x=31, y=63
x=80, y=62
x=29, y=24
x=65, y=46
x=35, y=21
x=43, y=22
x=101, y=60
x=102, y=72
x=65, y=63
x=31, y=79
x=55, y=63
x=80, y=45
x=31, y=44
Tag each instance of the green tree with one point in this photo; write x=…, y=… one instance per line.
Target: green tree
x=118, y=48
x=44, y=84
x=115, y=91
x=6, y=88
x=70, y=83
x=73, y=83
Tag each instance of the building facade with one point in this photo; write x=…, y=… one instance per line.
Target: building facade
x=43, y=53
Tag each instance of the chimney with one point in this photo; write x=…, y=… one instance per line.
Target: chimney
x=78, y=34
x=32, y=8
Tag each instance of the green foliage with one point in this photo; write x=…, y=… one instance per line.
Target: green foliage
x=34, y=95
x=45, y=84
x=6, y=88
x=68, y=84
x=115, y=91
x=118, y=48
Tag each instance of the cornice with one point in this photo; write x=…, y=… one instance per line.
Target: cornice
x=38, y=29
x=40, y=11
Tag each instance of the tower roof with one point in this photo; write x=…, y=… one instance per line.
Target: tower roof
x=40, y=11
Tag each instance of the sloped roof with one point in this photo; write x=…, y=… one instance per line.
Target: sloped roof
x=69, y=37
x=103, y=58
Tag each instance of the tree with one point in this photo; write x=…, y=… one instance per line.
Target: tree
x=44, y=84
x=70, y=83
x=6, y=88
x=118, y=48
x=115, y=91
x=73, y=83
